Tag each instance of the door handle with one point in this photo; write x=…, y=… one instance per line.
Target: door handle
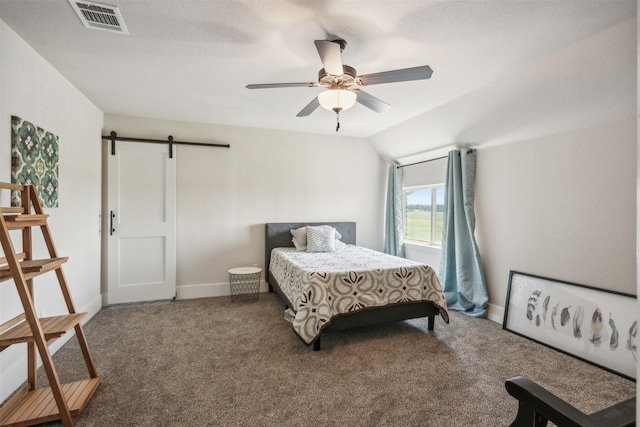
x=111, y=229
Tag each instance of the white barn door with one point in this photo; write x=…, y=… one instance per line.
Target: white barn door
x=141, y=223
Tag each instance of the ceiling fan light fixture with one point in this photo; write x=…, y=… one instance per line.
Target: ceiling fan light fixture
x=337, y=99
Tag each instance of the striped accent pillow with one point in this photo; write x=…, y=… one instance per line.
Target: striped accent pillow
x=321, y=239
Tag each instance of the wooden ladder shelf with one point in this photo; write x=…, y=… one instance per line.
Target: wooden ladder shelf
x=32, y=405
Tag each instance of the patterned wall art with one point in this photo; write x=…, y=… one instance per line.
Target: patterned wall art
x=594, y=325
x=34, y=160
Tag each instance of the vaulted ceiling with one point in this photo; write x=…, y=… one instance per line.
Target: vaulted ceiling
x=492, y=60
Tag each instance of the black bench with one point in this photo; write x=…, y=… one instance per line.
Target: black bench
x=537, y=406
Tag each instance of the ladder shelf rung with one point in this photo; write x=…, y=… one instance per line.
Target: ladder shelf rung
x=11, y=186
x=34, y=267
x=12, y=322
x=12, y=209
x=52, y=327
x=39, y=406
x=25, y=220
x=25, y=217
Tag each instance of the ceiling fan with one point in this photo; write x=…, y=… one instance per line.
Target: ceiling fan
x=342, y=82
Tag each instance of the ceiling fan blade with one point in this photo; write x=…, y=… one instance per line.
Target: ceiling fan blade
x=371, y=102
x=277, y=85
x=402, y=75
x=330, y=54
x=310, y=108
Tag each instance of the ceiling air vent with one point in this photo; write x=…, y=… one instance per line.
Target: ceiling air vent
x=98, y=16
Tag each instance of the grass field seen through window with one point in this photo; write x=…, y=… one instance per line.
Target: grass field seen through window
x=418, y=225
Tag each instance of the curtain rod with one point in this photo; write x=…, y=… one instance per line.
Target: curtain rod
x=469, y=151
x=424, y=161
x=113, y=137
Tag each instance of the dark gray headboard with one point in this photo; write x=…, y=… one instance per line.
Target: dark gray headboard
x=278, y=235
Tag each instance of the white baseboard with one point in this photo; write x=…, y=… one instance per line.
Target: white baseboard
x=16, y=374
x=207, y=290
x=495, y=313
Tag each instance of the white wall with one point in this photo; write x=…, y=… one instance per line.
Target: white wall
x=225, y=195
x=562, y=206
x=33, y=90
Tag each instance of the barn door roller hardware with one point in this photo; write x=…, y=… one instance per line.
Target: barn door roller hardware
x=113, y=137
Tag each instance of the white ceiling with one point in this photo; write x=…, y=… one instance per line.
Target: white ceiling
x=190, y=60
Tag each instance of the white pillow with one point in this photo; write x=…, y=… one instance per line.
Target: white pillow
x=321, y=239
x=300, y=237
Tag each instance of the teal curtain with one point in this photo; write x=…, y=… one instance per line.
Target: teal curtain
x=393, y=219
x=461, y=273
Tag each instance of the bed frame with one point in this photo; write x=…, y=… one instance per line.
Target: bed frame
x=277, y=235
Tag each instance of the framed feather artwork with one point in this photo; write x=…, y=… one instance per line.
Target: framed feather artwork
x=595, y=325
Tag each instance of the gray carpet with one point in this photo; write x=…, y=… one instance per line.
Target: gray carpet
x=210, y=362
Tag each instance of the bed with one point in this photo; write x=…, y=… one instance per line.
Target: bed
x=400, y=289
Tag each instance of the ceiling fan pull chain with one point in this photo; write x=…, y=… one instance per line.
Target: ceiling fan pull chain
x=337, y=120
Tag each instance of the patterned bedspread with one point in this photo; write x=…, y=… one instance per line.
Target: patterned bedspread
x=323, y=285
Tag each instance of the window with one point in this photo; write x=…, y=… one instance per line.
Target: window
x=423, y=210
